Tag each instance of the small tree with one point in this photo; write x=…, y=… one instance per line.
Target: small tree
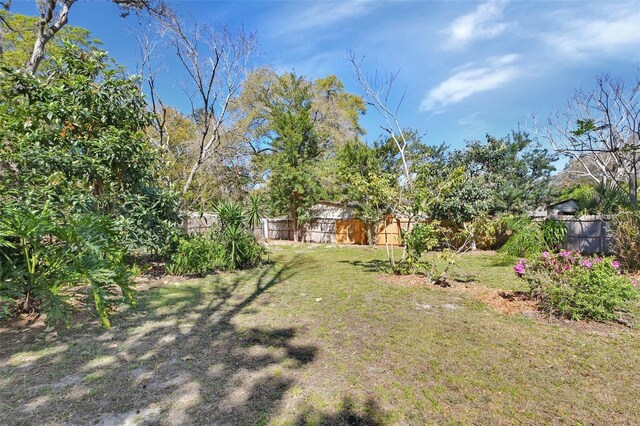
x=77, y=183
x=377, y=94
x=74, y=139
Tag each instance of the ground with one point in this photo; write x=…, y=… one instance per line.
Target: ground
x=320, y=336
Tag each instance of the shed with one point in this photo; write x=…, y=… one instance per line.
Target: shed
x=332, y=210
x=566, y=207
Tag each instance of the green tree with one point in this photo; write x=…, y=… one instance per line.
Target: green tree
x=363, y=180
x=294, y=148
x=503, y=175
x=74, y=140
x=334, y=113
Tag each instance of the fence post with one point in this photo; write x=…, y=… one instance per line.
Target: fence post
x=603, y=237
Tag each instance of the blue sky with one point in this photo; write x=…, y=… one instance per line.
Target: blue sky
x=467, y=68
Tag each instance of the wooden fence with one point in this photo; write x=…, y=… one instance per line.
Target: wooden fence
x=585, y=234
x=588, y=234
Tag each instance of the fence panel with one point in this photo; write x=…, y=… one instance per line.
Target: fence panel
x=588, y=234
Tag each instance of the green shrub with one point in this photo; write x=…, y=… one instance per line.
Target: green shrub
x=525, y=242
x=197, y=255
x=529, y=238
x=553, y=233
x=46, y=260
x=234, y=248
x=423, y=237
x=577, y=287
x=626, y=239
x=75, y=140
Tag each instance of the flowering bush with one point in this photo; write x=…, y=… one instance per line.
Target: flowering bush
x=575, y=286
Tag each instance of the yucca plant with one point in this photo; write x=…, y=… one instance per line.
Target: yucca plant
x=230, y=213
x=254, y=213
x=235, y=237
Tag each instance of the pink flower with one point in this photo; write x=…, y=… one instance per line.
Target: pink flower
x=545, y=255
x=597, y=260
x=615, y=264
x=566, y=254
x=587, y=264
x=519, y=268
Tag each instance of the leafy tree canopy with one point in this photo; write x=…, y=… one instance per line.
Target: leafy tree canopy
x=510, y=174
x=75, y=140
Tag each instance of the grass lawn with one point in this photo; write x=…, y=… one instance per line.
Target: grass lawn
x=318, y=336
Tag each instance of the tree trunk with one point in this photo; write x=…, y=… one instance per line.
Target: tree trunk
x=371, y=232
x=633, y=191
x=192, y=173
x=37, y=55
x=1, y=42
x=294, y=219
x=47, y=31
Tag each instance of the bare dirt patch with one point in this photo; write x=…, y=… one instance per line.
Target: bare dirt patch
x=505, y=302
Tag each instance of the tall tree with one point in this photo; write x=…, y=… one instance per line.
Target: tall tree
x=216, y=64
x=600, y=129
x=294, y=147
x=334, y=112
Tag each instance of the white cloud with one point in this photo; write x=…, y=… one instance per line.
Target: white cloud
x=482, y=23
x=324, y=14
x=609, y=32
x=471, y=121
x=471, y=79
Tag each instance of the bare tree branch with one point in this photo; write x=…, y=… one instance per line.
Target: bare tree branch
x=216, y=64
x=377, y=92
x=600, y=129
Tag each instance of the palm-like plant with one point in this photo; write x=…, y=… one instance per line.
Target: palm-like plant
x=254, y=213
x=234, y=237
x=229, y=214
x=609, y=198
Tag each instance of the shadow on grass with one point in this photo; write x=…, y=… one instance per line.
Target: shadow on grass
x=502, y=259
x=186, y=355
x=349, y=414
x=375, y=265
